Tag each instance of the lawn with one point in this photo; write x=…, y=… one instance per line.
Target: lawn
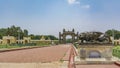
x=10, y=46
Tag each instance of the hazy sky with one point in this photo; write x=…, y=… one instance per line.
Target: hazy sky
x=51, y=16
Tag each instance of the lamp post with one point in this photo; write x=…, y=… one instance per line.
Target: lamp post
x=113, y=36
x=18, y=36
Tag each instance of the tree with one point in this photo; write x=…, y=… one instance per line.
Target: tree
x=0, y=36
x=52, y=37
x=25, y=33
x=38, y=37
x=32, y=36
x=3, y=32
x=115, y=32
x=13, y=31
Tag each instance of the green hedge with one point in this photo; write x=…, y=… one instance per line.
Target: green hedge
x=36, y=43
x=45, y=42
x=116, y=51
x=13, y=45
x=9, y=46
x=20, y=44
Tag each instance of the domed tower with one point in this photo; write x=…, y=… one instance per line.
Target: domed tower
x=73, y=30
x=63, y=30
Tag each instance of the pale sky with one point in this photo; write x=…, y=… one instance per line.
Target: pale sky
x=51, y=16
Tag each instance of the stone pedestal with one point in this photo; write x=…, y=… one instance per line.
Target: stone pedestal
x=96, y=51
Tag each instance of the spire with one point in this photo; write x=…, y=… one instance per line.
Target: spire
x=73, y=30
x=42, y=38
x=48, y=38
x=63, y=30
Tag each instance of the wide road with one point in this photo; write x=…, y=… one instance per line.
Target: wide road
x=44, y=54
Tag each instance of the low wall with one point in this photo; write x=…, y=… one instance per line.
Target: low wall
x=72, y=55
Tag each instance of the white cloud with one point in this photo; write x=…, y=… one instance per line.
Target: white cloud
x=78, y=2
x=85, y=6
x=73, y=2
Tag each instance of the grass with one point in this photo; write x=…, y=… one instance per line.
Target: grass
x=10, y=46
x=117, y=47
x=61, y=60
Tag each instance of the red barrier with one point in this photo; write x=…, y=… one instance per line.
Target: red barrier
x=117, y=63
x=72, y=55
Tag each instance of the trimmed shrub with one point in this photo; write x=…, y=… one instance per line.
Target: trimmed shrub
x=116, y=51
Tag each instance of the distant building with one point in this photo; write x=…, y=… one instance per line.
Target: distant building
x=24, y=40
x=117, y=42
x=12, y=39
x=42, y=38
x=8, y=40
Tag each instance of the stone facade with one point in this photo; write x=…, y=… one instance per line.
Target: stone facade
x=12, y=39
x=26, y=40
x=8, y=40
x=117, y=42
x=62, y=36
x=42, y=38
x=1, y=41
x=95, y=51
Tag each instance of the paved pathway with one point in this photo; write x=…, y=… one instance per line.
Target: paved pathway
x=32, y=58
x=45, y=54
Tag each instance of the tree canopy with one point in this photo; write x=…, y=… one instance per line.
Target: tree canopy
x=115, y=32
x=20, y=33
x=13, y=31
x=38, y=37
x=17, y=31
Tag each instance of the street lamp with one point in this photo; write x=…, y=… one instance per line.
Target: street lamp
x=113, y=35
x=19, y=36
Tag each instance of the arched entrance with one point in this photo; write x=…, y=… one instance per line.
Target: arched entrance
x=8, y=41
x=94, y=54
x=69, y=39
x=62, y=36
x=26, y=41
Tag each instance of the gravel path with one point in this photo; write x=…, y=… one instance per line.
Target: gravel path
x=45, y=54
